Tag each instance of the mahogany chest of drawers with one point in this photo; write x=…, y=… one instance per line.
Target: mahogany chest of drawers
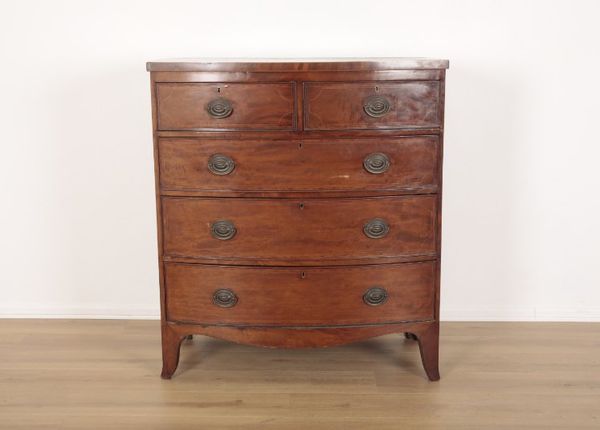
x=299, y=202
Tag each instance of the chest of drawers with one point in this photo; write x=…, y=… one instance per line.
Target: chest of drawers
x=299, y=202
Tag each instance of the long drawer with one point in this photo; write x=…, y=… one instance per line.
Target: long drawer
x=300, y=296
x=301, y=230
x=394, y=164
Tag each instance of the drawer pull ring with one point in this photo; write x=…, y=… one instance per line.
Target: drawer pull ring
x=219, y=108
x=376, y=228
x=225, y=298
x=376, y=163
x=376, y=106
x=220, y=164
x=375, y=296
x=222, y=230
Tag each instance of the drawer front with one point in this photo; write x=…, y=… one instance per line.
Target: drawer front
x=294, y=229
x=336, y=165
x=233, y=106
x=372, y=105
x=300, y=296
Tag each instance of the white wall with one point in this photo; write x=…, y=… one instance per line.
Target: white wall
x=521, y=204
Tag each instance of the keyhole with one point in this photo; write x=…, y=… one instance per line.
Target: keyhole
x=299, y=146
x=303, y=275
x=301, y=205
x=218, y=89
x=376, y=88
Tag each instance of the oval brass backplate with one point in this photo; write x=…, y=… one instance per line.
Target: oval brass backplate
x=375, y=296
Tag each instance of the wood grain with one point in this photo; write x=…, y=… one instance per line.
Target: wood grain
x=256, y=106
x=300, y=165
x=86, y=375
x=300, y=297
x=339, y=106
x=269, y=230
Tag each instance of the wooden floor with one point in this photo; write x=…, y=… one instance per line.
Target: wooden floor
x=68, y=374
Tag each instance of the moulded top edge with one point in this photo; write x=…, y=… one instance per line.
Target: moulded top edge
x=294, y=64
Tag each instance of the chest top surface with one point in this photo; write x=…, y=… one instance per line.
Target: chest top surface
x=295, y=64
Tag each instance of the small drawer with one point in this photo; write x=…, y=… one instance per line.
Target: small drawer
x=367, y=165
x=371, y=105
x=310, y=230
x=226, y=106
x=300, y=296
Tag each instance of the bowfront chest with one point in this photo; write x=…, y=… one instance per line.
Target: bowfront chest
x=299, y=202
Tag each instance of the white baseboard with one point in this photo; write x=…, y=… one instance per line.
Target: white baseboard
x=541, y=313
x=58, y=312
x=583, y=314
x=79, y=316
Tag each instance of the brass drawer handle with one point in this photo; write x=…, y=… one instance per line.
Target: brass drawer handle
x=220, y=164
x=222, y=230
x=375, y=296
x=376, y=106
x=376, y=163
x=225, y=298
x=219, y=108
x=376, y=228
